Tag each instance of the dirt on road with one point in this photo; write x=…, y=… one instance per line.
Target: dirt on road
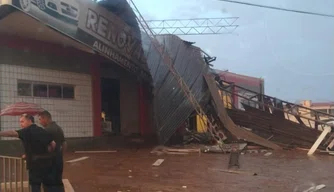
x=131, y=171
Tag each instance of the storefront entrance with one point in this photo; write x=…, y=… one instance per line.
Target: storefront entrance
x=110, y=105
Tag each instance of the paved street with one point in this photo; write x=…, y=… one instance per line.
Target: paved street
x=131, y=170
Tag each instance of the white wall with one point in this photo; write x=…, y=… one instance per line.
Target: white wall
x=74, y=116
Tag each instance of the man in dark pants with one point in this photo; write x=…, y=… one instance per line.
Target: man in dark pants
x=38, y=145
x=57, y=133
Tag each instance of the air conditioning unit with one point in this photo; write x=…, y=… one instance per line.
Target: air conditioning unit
x=107, y=126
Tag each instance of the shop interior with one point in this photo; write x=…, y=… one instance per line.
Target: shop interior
x=110, y=105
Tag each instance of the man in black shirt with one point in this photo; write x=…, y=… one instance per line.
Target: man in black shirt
x=38, y=145
x=57, y=133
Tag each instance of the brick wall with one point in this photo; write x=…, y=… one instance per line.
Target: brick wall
x=74, y=115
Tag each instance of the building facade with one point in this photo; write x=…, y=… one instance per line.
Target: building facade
x=324, y=107
x=75, y=66
x=250, y=87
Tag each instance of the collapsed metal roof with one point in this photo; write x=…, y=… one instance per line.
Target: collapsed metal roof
x=122, y=9
x=171, y=107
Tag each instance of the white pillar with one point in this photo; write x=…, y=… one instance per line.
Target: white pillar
x=319, y=140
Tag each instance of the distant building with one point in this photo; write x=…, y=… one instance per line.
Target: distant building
x=325, y=107
x=255, y=85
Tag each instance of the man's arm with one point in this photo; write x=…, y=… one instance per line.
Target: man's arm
x=63, y=141
x=10, y=133
x=64, y=146
x=52, y=146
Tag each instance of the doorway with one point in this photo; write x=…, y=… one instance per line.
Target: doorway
x=110, y=102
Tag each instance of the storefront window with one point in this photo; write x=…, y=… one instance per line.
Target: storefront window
x=68, y=92
x=55, y=91
x=24, y=89
x=40, y=90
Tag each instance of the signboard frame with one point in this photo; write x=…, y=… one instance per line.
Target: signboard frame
x=90, y=24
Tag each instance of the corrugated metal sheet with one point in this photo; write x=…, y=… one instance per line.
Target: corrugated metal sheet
x=171, y=107
x=122, y=9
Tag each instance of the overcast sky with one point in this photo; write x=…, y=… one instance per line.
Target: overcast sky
x=293, y=52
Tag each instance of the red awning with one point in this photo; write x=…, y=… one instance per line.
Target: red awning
x=21, y=108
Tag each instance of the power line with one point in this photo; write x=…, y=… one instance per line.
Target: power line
x=278, y=8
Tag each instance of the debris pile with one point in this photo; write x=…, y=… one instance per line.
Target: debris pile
x=266, y=121
x=199, y=138
x=159, y=150
x=226, y=148
x=180, y=91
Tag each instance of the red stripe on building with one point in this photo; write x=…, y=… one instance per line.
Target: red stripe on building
x=240, y=79
x=96, y=98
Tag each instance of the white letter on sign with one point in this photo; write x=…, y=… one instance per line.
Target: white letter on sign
x=91, y=22
x=102, y=27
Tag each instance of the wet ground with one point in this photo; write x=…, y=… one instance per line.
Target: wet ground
x=131, y=170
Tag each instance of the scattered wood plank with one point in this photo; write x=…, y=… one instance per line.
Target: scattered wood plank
x=331, y=145
x=268, y=154
x=252, y=151
x=176, y=153
x=78, y=159
x=234, y=159
x=184, y=150
x=158, y=149
x=319, y=140
x=158, y=162
x=254, y=147
x=235, y=172
x=224, y=148
x=270, y=137
x=112, y=151
x=315, y=188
